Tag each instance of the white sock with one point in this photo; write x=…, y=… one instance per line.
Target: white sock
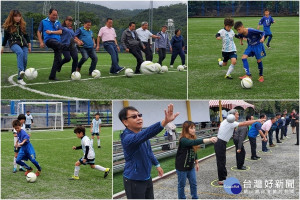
x=230, y=69
x=15, y=163
x=221, y=63
x=98, y=167
x=92, y=142
x=76, y=171
x=98, y=142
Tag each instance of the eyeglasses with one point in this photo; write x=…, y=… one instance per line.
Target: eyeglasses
x=135, y=116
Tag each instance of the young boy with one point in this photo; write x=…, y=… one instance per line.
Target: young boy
x=95, y=129
x=22, y=119
x=229, y=49
x=88, y=154
x=84, y=36
x=267, y=21
x=29, y=121
x=255, y=39
x=26, y=149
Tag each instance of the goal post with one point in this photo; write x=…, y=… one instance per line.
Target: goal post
x=46, y=115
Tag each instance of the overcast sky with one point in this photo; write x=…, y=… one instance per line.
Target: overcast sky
x=133, y=4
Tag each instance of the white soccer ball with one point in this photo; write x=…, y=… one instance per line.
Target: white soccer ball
x=129, y=72
x=180, y=68
x=164, y=68
x=76, y=76
x=157, y=67
x=96, y=73
x=230, y=118
x=31, y=177
x=31, y=73
x=148, y=68
x=246, y=83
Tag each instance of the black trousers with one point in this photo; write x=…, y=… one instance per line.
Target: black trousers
x=57, y=48
x=297, y=132
x=67, y=58
x=283, y=133
x=277, y=134
x=136, y=52
x=253, y=146
x=220, y=149
x=161, y=55
x=138, y=189
x=240, y=157
x=148, y=51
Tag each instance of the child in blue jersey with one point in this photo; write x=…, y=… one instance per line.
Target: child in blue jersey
x=26, y=151
x=88, y=154
x=95, y=129
x=84, y=36
x=255, y=39
x=229, y=49
x=267, y=21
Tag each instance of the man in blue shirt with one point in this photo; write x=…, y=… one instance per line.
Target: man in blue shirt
x=138, y=154
x=255, y=39
x=267, y=21
x=252, y=134
x=48, y=33
x=87, y=45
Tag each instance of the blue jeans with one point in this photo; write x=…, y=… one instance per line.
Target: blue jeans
x=191, y=175
x=86, y=53
x=111, y=48
x=271, y=136
x=22, y=53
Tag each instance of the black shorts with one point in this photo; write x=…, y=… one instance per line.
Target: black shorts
x=228, y=55
x=88, y=161
x=95, y=134
x=28, y=126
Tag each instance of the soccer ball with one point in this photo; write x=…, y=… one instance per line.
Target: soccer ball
x=148, y=68
x=76, y=76
x=246, y=83
x=129, y=72
x=31, y=73
x=31, y=177
x=180, y=68
x=96, y=73
x=158, y=67
x=230, y=118
x=164, y=68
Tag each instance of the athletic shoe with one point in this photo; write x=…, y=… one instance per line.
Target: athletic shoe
x=272, y=145
x=122, y=68
x=14, y=170
x=21, y=169
x=242, y=168
x=22, y=73
x=278, y=142
x=74, y=178
x=228, y=76
x=296, y=144
x=78, y=69
x=171, y=66
x=269, y=47
x=37, y=173
x=99, y=147
x=137, y=72
x=107, y=170
x=28, y=170
x=53, y=79
x=257, y=157
x=220, y=182
x=21, y=82
x=254, y=158
x=282, y=139
x=245, y=76
x=261, y=79
x=219, y=60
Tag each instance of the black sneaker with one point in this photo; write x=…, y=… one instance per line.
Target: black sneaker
x=54, y=79
x=257, y=157
x=242, y=168
x=99, y=147
x=278, y=142
x=253, y=158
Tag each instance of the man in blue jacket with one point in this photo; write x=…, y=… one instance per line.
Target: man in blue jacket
x=138, y=154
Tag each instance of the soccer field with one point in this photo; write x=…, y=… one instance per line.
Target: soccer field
x=171, y=85
x=281, y=65
x=56, y=157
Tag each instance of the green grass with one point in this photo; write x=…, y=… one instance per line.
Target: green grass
x=56, y=157
x=281, y=65
x=158, y=86
x=168, y=164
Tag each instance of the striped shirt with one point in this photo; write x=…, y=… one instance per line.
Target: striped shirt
x=227, y=38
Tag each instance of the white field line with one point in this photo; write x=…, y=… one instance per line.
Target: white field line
x=41, y=139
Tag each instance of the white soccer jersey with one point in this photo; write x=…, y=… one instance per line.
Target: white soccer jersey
x=85, y=141
x=28, y=119
x=96, y=125
x=227, y=38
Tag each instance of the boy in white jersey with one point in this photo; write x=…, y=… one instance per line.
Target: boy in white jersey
x=29, y=121
x=22, y=119
x=95, y=129
x=88, y=154
x=229, y=49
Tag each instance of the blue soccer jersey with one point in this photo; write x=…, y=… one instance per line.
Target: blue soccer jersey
x=266, y=22
x=22, y=135
x=254, y=36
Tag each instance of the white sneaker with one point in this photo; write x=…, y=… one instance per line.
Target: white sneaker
x=22, y=73
x=21, y=82
x=171, y=66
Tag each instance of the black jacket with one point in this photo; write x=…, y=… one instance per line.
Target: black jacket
x=129, y=42
x=18, y=37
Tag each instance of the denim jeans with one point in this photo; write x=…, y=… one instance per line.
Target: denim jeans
x=271, y=136
x=22, y=53
x=264, y=145
x=86, y=53
x=111, y=48
x=191, y=176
